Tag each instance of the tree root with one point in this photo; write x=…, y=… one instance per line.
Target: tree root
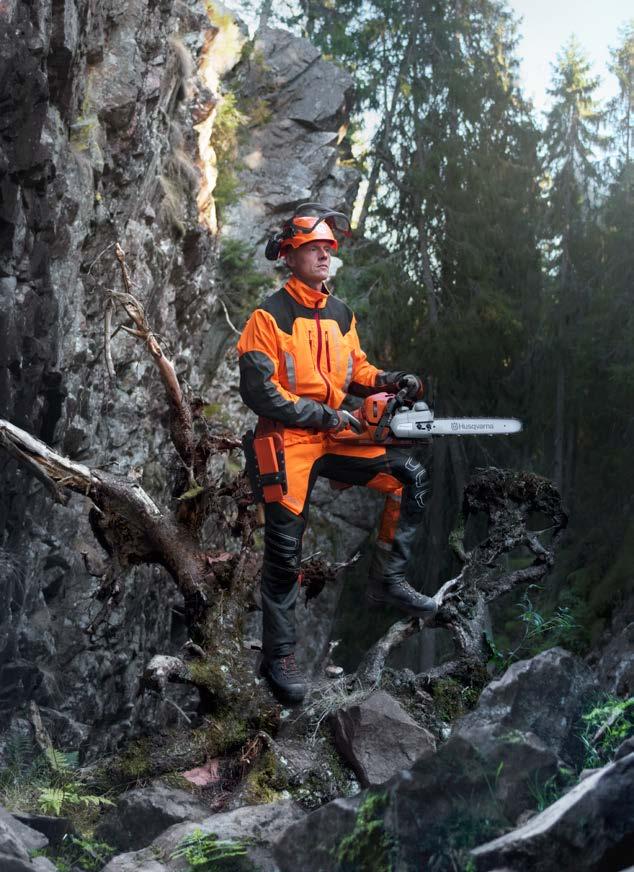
x=509, y=499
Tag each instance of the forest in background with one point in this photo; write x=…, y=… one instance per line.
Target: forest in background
x=497, y=255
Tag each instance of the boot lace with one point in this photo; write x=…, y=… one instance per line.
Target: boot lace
x=288, y=665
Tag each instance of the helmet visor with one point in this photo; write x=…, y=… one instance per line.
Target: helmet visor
x=335, y=220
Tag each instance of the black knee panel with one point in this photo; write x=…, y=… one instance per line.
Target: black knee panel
x=409, y=469
x=282, y=545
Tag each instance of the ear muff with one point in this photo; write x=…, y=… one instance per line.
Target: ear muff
x=273, y=246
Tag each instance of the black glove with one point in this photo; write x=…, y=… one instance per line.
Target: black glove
x=413, y=385
x=341, y=420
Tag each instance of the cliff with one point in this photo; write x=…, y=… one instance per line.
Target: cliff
x=117, y=126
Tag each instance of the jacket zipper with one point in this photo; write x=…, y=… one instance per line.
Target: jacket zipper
x=318, y=321
x=328, y=353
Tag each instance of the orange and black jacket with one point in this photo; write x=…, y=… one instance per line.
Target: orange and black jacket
x=300, y=355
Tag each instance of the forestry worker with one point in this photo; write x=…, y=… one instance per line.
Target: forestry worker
x=299, y=357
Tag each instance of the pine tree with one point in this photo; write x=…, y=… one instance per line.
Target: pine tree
x=572, y=138
x=608, y=344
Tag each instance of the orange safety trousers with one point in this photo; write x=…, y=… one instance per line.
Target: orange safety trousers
x=397, y=472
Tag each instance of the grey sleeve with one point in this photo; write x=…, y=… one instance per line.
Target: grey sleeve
x=260, y=394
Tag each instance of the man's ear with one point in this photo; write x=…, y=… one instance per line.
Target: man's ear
x=290, y=258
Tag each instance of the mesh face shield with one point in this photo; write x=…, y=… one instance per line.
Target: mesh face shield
x=335, y=220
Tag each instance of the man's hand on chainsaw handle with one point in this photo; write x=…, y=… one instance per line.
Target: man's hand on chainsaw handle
x=341, y=420
x=413, y=385
x=393, y=382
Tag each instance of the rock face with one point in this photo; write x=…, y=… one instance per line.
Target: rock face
x=379, y=738
x=487, y=774
x=615, y=665
x=590, y=829
x=291, y=158
x=309, y=843
x=98, y=144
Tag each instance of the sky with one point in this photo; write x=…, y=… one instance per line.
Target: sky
x=548, y=24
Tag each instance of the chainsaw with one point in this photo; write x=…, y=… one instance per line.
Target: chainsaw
x=384, y=419
x=390, y=419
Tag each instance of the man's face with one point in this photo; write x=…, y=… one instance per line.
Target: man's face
x=310, y=263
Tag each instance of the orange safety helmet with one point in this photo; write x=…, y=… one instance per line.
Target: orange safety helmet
x=308, y=228
x=311, y=222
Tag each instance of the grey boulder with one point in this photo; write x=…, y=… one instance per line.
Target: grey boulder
x=143, y=814
x=485, y=775
x=543, y=696
x=379, y=738
x=590, y=829
x=16, y=841
x=259, y=825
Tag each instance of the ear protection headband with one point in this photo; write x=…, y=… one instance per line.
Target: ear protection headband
x=335, y=220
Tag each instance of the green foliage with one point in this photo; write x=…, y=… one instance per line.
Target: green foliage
x=25, y=773
x=66, y=790
x=538, y=632
x=606, y=726
x=447, y=845
x=266, y=780
x=190, y=494
x=501, y=255
x=452, y=699
x=134, y=765
x=229, y=124
x=48, y=782
x=241, y=283
x=368, y=847
x=53, y=799
x=51, y=783
x=79, y=853
x=552, y=788
x=205, y=852
x=61, y=762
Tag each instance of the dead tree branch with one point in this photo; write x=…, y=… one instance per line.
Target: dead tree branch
x=181, y=421
x=129, y=521
x=508, y=499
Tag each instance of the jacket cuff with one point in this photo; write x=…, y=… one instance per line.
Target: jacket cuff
x=331, y=419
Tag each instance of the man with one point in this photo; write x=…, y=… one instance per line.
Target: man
x=299, y=357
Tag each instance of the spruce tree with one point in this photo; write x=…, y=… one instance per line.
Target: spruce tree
x=572, y=139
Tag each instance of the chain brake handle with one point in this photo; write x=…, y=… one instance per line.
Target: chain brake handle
x=383, y=427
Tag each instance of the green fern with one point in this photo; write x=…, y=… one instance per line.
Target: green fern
x=62, y=762
x=205, y=852
x=52, y=799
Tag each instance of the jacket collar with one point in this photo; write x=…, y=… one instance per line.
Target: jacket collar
x=305, y=295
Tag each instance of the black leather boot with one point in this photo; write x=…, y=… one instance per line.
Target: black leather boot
x=398, y=592
x=284, y=679
x=387, y=584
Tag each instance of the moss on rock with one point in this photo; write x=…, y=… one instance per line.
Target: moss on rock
x=368, y=848
x=266, y=781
